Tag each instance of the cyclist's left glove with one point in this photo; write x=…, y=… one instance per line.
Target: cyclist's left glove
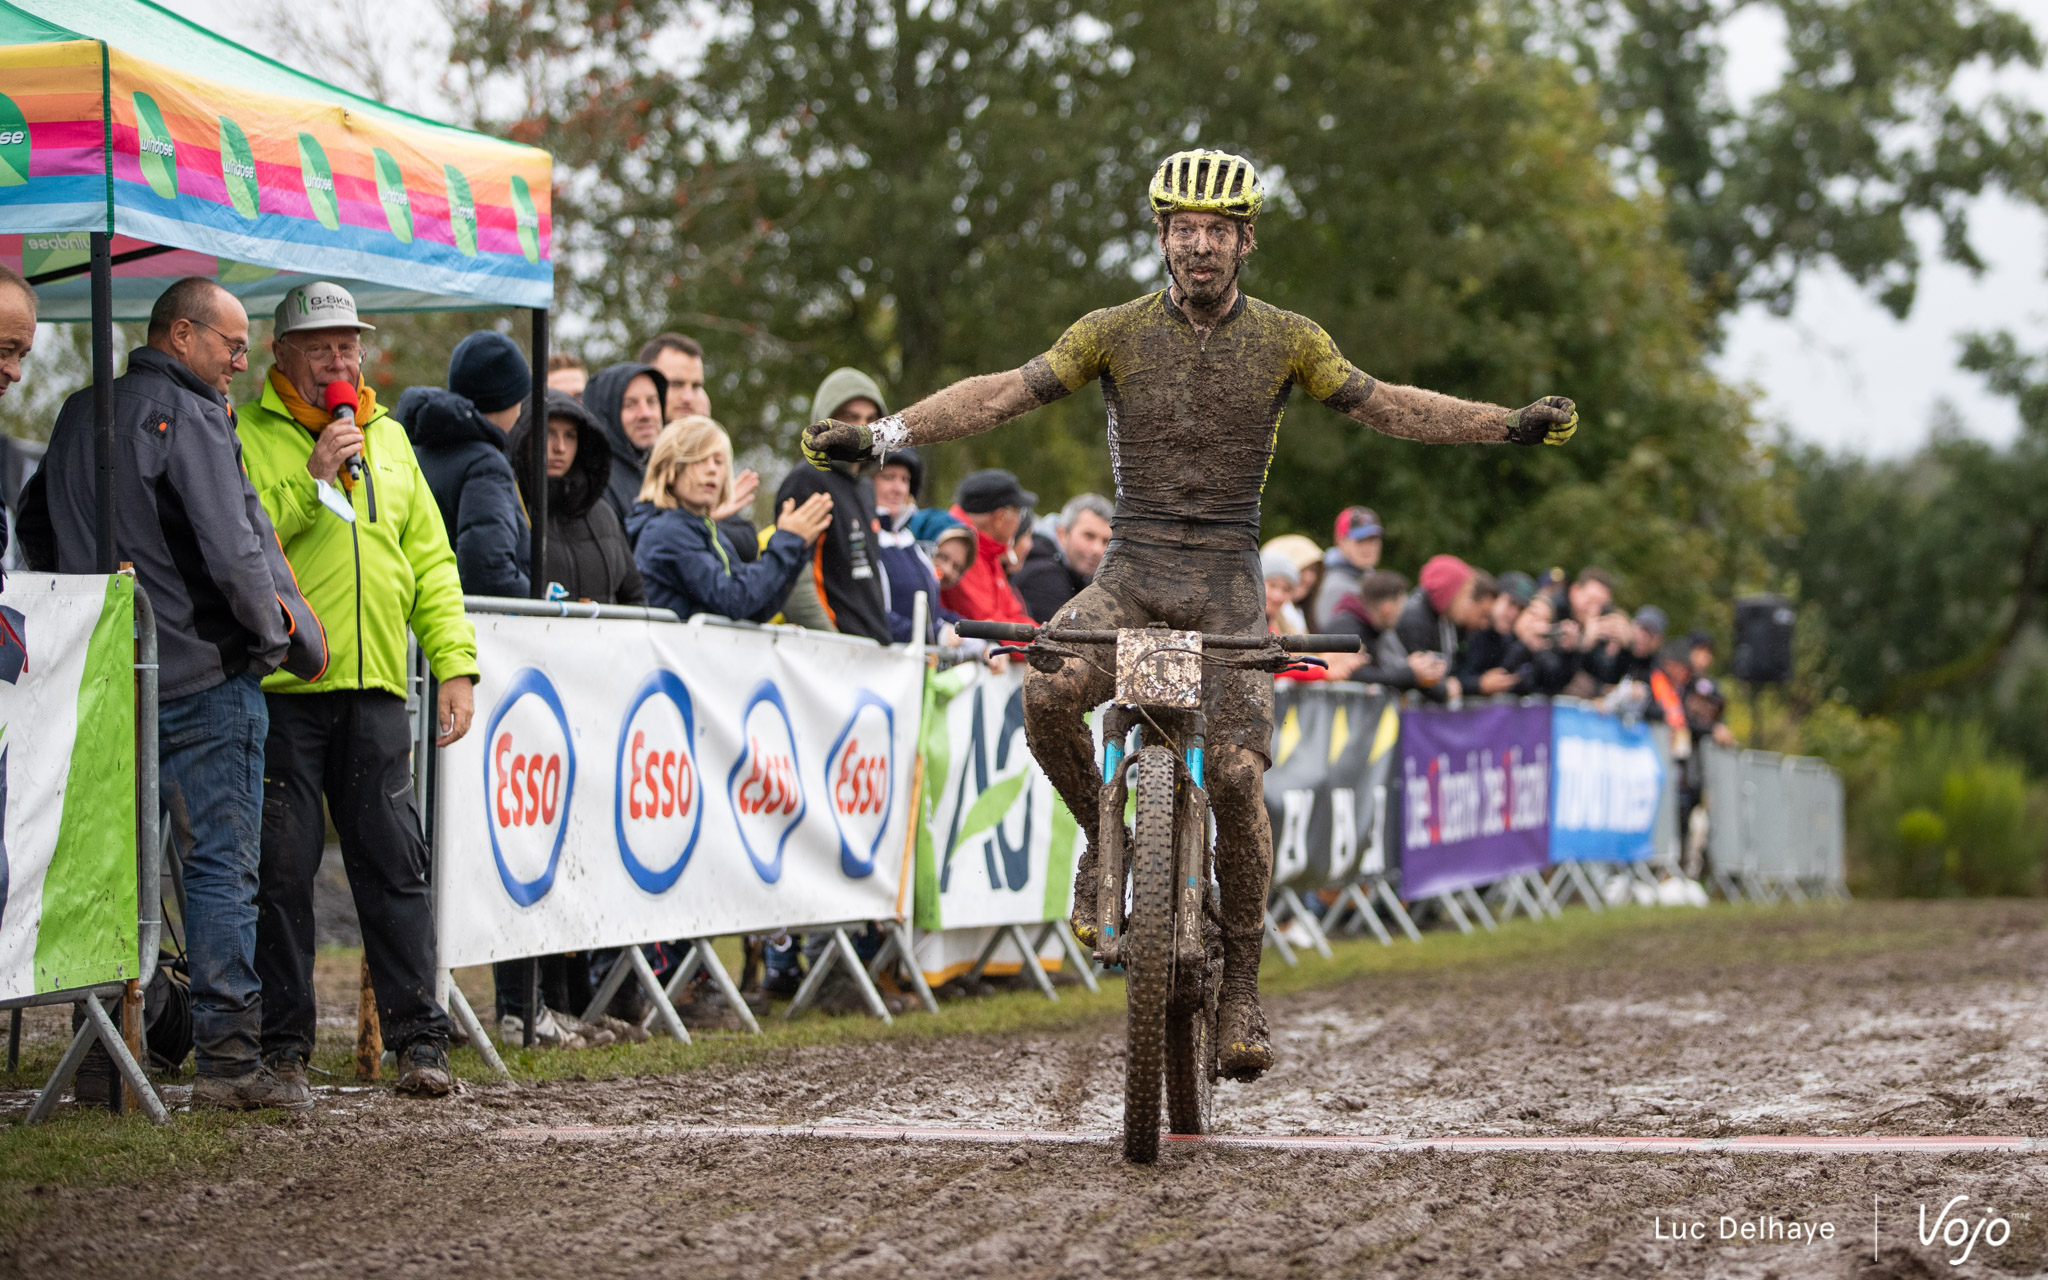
x=1551, y=420
x=827, y=442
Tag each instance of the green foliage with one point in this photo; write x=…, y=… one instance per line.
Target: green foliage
x=1942, y=813
x=1865, y=131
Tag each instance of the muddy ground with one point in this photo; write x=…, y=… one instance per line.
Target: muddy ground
x=1704, y=1028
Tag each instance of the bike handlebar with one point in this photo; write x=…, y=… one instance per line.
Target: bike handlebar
x=1018, y=633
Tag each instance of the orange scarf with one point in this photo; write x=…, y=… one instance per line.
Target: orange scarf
x=315, y=420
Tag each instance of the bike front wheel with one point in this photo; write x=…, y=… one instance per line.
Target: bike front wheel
x=1147, y=949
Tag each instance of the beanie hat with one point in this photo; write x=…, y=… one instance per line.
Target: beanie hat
x=1442, y=578
x=487, y=370
x=1275, y=563
x=840, y=386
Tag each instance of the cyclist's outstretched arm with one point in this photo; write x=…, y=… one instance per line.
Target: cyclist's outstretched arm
x=1413, y=413
x=968, y=407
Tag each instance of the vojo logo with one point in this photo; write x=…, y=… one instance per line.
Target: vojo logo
x=765, y=787
x=658, y=808
x=529, y=778
x=527, y=218
x=159, y=151
x=391, y=194
x=14, y=144
x=461, y=211
x=859, y=779
x=319, y=180
x=238, y=168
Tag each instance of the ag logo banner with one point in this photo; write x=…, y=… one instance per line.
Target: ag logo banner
x=1328, y=793
x=997, y=847
x=692, y=780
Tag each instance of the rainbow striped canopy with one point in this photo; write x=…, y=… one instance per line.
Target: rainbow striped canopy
x=204, y=158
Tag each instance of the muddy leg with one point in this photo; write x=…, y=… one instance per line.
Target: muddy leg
x=1054, y=704
x=1244, y=869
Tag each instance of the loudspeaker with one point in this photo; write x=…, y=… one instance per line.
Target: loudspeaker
x=1763, y=639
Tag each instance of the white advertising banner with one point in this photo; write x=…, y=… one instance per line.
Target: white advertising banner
x=641, y=781
x=998, y=846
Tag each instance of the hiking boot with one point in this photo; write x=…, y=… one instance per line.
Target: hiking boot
x=257, y=1090
x=623, y=1032
x=290, y=1069
x=1244, y=1046
x=423, y=1069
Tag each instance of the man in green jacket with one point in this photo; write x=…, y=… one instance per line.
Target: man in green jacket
x=366, y=542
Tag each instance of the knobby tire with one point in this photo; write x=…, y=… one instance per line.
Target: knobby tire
x=1148, y=950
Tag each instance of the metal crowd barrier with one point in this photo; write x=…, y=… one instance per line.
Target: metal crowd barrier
x=149, y=837
x=1775, y=826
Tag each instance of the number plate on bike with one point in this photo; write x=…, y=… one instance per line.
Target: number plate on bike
x=1157, y=668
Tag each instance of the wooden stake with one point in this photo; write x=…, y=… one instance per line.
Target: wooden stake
x=131, y=1031
x=369, y=1035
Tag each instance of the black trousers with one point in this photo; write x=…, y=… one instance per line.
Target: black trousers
x=354, y=749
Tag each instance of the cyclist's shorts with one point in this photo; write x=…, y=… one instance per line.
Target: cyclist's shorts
x=1190, y=590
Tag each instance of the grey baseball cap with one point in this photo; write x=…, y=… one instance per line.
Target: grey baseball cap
x=319, y=305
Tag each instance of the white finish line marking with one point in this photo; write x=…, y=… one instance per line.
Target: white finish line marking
x=1747, y=1144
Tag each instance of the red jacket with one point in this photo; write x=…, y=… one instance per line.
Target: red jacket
x=984, y=593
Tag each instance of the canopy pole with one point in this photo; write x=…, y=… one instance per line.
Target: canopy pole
x=107, y=558
x=537, y=442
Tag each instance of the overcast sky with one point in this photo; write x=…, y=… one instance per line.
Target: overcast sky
x=1838, y=371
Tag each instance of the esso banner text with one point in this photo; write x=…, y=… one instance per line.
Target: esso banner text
x=643, y=781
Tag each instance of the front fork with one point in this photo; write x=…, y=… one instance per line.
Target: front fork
x=1191, y=826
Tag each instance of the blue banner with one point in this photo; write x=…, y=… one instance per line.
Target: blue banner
x=1606, y=784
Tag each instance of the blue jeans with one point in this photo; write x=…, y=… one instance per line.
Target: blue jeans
x=210, y=761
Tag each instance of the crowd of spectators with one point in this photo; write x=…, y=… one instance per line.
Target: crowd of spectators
x=1462, y=632
x=243, y=521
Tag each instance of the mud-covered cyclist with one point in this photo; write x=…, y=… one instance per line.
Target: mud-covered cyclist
x=1195, y=379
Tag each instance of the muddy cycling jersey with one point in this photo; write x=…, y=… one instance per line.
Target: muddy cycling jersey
x=1193, y=419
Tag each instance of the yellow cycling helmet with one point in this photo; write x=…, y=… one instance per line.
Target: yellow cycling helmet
x=1207, y=182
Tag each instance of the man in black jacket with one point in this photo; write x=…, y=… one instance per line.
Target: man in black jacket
x=1059, y=566
x=228, y=613
x=458, y=436
x=844, y=572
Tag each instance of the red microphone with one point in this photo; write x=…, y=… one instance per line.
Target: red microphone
x=341, y=406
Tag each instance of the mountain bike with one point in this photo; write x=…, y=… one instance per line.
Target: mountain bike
x=1158, y=907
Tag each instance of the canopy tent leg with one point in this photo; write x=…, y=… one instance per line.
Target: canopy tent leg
x=537, y=448
x=107, y=556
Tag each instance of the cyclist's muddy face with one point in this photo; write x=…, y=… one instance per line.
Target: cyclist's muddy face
x=1204, y=252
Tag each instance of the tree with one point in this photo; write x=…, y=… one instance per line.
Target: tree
x=1503, y=209
x=1867, y=130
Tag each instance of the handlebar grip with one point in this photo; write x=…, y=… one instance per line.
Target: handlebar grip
x=1321, y=644
x=1006, y=632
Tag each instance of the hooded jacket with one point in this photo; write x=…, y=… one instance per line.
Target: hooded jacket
x=588, y=555
x=689, y=565
x=371, y=580
x=462, y=455
x=843, y=572
x=984, y=592
x=186, y=517
x=907, y=570
x=602, y=396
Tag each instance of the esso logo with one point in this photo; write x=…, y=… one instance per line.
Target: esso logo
x=659, y=806
x=529, y=779
x=859, y=777
x=765, y=786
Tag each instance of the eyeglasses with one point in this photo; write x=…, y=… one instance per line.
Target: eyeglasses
x=350, y=350
x=236, y=350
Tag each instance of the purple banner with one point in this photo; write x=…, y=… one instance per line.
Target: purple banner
x=1475, y=790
